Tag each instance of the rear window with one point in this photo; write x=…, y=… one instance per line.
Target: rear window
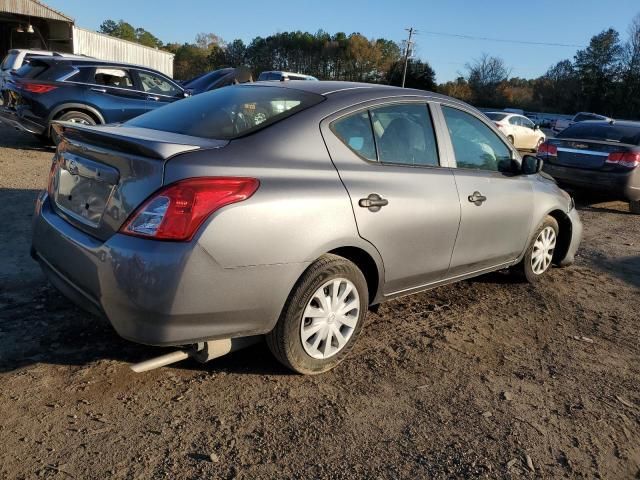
x=228, y=112
x=33, y=69
x=496, y=117
x=629, y=134
x=8, y=61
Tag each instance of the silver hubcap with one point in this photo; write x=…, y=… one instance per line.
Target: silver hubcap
x=330, y=318
x=543, y=249
x=78, y=120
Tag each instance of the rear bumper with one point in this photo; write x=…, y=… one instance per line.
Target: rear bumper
x=16, y=120
x=159, y=293
x=621, y=184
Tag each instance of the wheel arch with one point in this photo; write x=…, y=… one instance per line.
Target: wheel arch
x=367, y=265
x=79, y=107
x=564, y=235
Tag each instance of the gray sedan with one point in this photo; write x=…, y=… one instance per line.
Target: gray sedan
x=288, y=211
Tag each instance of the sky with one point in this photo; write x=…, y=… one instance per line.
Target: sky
x=569, y=22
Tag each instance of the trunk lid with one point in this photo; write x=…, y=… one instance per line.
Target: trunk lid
x=100, y=175
x=584, y=154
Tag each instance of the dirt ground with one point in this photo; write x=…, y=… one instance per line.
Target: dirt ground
x=485, y=378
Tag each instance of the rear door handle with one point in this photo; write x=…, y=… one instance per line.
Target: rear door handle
x=373, y=202
x=101, y=90
x=477, y=198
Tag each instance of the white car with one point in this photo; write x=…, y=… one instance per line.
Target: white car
x=563, y=123
x=17, y=57
x=522, y=132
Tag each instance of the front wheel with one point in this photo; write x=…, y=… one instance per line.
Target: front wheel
x=539, y=255
x=322, y=317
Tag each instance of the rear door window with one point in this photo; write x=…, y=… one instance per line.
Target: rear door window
x=475, y=145
x=404, y=134
x=356, y=133
x=113, y=77
x=33, y=69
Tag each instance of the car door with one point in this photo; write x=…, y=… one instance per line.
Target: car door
x=402, y=190
x=113, y=91
x=496, y=204
x=529, y=133
x=159, y=90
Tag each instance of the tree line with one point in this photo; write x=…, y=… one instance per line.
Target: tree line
x=603, y=77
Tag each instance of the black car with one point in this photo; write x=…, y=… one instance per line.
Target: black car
x=597, y=155
x=217, y=79
x=86, y=91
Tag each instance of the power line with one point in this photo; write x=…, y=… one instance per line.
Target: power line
x=502, y=40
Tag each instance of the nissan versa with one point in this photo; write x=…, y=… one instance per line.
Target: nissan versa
x=287, y=210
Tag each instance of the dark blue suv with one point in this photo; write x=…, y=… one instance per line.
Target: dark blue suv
x=84, y=91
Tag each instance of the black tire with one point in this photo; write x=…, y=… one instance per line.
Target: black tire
x=634, y=206
x=284, y=340
x=511, y=139
x=73, y=116
x=524, y=269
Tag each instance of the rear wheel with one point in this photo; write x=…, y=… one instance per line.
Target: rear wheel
x=539, y=255
x=73, y=116
x=322, y=317
x=634, y=206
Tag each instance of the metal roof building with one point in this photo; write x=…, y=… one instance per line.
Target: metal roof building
x=32, y=24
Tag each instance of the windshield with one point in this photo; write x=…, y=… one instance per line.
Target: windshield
x=629, y=134
x=7, y=63
x=496, y=117
x=228, y=112
x=203, y=81
x=32, y=69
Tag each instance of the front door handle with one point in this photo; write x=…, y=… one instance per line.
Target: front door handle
x=373, y=202
x=101, y=90
x=153, y=97
x=477, y=198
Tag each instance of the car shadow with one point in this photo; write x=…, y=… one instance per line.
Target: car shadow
x=50, y=329
x=12, y=138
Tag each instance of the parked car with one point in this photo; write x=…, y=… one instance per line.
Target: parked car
x=597, y=155
x=283, y=76
x=520, y=131
x=86, y=91
x=199, y=223
x=561, y=123
x=17, y=57
x=217, y=79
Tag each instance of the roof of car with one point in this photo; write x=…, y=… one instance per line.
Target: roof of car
x=329, y=87
x=80, y=60
x=622, y=123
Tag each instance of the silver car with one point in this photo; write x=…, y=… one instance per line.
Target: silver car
x=288, y=210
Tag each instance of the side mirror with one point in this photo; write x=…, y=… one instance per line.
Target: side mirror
x=536, y=127
x=188, y=93
x=531, y=165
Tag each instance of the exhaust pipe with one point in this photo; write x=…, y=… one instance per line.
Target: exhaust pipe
x=202, y=352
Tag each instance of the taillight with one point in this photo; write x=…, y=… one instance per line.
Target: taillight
x=175, y=212
x=37, y=87
x=547, y=148
x=624, y=159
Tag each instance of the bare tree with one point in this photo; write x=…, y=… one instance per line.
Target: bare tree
x=485, y=75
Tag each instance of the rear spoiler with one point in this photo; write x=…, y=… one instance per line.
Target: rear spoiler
x=139, y=141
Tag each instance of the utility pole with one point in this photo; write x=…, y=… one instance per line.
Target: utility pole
x=406, y=54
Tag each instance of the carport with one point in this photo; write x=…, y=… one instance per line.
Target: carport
x=31, y=24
